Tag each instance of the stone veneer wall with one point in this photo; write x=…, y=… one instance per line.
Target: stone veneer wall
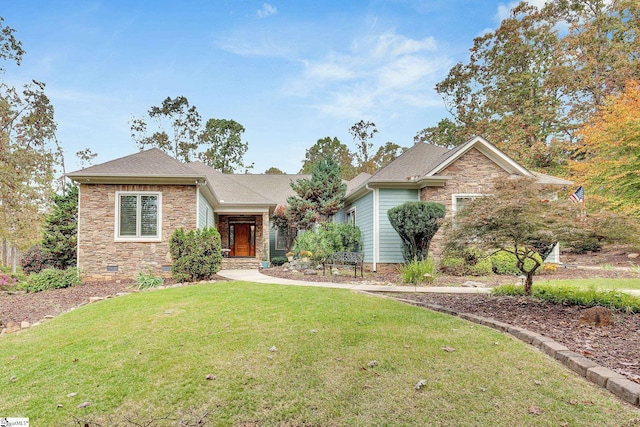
x=472, y=173
x=97, y=248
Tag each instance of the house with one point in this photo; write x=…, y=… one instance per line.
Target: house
x=429, y=173
x=129, y=207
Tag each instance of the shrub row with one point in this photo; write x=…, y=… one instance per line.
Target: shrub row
x=571, y=295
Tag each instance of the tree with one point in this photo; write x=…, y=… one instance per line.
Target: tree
x=446, y=133
x=60, y=237
x=598, y=54
x=362, y=133
x=328, y=147
x=274, y=171
x=225, y=146
x=504, y=93
x=318, y=197
x=185, y=124
x=416, y=223
x=517, y=218
x=610, y=153
x=29, y=154
x=386, y=154
x=86, y=157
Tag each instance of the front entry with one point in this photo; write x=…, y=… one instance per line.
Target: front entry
x=242, y=239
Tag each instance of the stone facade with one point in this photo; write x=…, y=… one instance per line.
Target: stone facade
x=472, y=173
x=262, y=230
x=97, y=247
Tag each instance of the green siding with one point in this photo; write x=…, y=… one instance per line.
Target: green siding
x=390, y=243
x=205, y=213
x=364, y=221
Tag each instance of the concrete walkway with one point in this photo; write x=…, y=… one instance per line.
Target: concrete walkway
x=256, y=276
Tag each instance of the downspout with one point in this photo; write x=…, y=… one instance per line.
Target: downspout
x=376, y=237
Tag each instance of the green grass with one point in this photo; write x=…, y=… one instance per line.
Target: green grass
x=146, y=355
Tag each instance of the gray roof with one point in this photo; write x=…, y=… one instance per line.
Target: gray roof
x=274, y=187
x=549, y=179
x=148, y=163
x=416, y=162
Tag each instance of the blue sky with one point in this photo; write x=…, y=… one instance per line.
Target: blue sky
x=291, y=72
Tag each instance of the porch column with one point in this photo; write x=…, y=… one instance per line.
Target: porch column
x=265, y=233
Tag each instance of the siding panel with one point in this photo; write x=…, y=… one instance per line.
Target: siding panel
x=390, y=243
x=364, y=221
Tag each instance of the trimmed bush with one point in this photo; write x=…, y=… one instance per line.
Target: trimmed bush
x=34, y=260
x=571, y=295
x=196, y=254
x=416, y=223
x=505, y=263
x=465, y=262
x=51, y=278
x=414, y=272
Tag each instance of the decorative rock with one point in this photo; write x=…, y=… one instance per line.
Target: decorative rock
x=633, y=256
x=24, y=324
x=597, y=316
x=49, y=316
x=310, y=273
x=11, y=327
x=95, y=299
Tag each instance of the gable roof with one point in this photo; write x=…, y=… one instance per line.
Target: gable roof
x=151, y=165
x=154, y=166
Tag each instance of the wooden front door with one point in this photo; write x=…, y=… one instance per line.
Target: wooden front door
x=242, y=240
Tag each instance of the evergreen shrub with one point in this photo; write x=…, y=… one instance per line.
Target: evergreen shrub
x=465, y=262
x=196, y=254
x=51, y=278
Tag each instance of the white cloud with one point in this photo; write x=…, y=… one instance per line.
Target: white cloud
x=504, y=10
x=379, y=73
x=266, y=11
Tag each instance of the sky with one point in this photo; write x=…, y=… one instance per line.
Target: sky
x=291, y=72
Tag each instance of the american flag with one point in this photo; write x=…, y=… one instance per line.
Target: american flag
x=578, y=195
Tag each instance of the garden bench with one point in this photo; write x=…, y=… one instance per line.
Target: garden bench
x=341, y=259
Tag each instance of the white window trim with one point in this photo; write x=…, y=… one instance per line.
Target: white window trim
x=116, y=231
x=455, y=196
x=275, y=243
x=351, y=213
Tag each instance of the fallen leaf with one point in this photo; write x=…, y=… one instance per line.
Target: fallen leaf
x=448, y=349
x=13, y=357
x=483, y=389
x=71, y=394
x=537, y=382
x=84, y=404
x=534, y=410
x=573, y=402
x=272, y=349
x=314, y=331
x=13, y=379
x=210, y=377
x=420, y=384
x=59, y=405
x=372, y=363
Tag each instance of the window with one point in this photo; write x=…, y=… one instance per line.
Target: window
x=459, y=201
x=138, y=216
x=351, y=216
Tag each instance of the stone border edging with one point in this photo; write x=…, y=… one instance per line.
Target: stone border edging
x=606, y=378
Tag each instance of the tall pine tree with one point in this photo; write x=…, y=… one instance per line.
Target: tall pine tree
x=318, y=197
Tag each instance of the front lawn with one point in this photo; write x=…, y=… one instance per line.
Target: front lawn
x=284, y=355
